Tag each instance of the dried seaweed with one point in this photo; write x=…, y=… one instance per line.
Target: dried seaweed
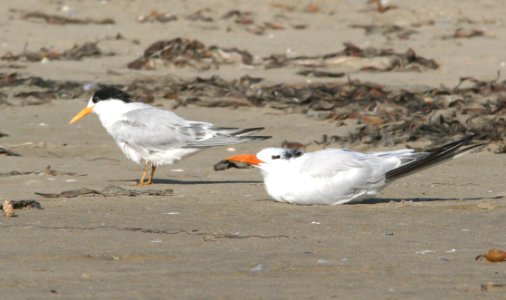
x=7, y=152
x=356, y=58
x=283, y=6
x=227, y=164
x=246, y=21
x=321, y=73
x=39, y=89
x=199, y=15
x=70, y=193
x=19, y=204
x=15, y=173
x=109, y=191
x=77, y=52
x=374, y=114
x=61, y=20
x=52, y=172
x=233, y=102
x=461, y=33
x=47, y=171
x=493, y=287
x=388, y=30
x=85, y=50
x=240, y=17
x=156, y=16
x=182, y=52
x=14, y=79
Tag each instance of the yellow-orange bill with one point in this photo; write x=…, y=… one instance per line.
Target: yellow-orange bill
x=246, y=158
x=81, y=114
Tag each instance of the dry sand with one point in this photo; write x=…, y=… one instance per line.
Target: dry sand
x=219, y=236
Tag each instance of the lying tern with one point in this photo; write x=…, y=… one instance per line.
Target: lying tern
x=334, y=176
x=153, y=136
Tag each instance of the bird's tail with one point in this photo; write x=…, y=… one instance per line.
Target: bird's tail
x=435, y=157
x=228, y=136
x=237, y=131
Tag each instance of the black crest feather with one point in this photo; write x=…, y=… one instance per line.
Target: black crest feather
x=107, y=93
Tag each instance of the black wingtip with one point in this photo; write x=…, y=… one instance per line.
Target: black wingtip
x=463, y=141
x=255, y=137
x=246, y=131
x=435, y=156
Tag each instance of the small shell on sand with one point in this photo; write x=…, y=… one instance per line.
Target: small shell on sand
x=8, y=209
x=493, y=255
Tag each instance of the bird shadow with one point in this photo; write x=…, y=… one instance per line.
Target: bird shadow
x=428, y=199
x=191, y=182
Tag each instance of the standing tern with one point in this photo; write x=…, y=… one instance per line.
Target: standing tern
x=153, y=136
x=334, y=176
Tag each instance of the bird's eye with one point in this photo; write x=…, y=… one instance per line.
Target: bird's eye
x=276, y=156
x=293, y=154
x=297, y=153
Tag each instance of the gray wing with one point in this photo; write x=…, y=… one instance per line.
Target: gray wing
x=153, y=129
x=156, y=129
x=355, y=166
x=327, y=163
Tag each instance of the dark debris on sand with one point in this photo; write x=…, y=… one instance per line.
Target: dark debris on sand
x=182, y=52
x=47, y=171
x=33, y=90
x=62, y=20
x=4, y=151
x=461, y=33
x=109, y=191
x=356, y=58
x=390, y=31
x=227, y=164
x=157, y=16
x=380, y=115
x=7, y=152
x=77, y=52
x=18, y=204
x=377, y=115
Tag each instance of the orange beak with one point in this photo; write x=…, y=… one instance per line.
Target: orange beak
x=246, y=158
x=85, y=111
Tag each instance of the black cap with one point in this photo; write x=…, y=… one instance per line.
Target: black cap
x=108, y=93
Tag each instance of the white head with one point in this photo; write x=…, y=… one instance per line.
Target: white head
x=108, y=101
x=268, y=157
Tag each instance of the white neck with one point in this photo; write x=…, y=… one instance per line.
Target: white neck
x=112, y=110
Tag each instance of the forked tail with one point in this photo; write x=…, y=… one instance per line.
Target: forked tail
x=435, y=157
x=228, y=136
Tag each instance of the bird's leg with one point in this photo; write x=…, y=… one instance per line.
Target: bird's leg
x=150, y=180
x=141, y=181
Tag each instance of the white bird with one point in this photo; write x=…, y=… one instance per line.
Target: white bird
x=153, y=136
x=334, y=176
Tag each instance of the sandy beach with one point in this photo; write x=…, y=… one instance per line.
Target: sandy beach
x=202, y=234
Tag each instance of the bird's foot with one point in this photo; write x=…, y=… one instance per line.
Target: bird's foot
x=144, y=183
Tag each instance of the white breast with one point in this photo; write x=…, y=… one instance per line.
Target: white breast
x=112, y=111
x=296, y=186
